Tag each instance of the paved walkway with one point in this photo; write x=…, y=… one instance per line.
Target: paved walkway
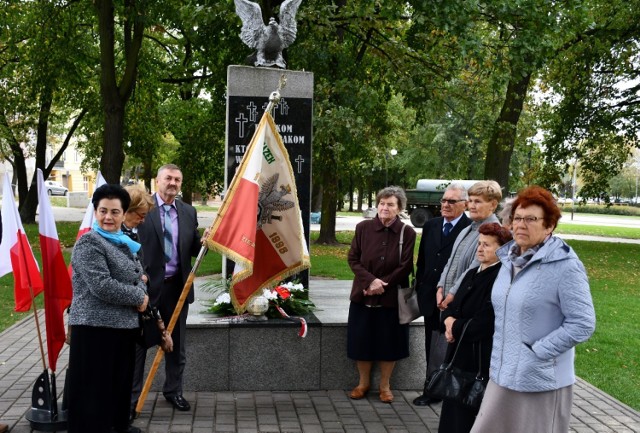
x=308, y=412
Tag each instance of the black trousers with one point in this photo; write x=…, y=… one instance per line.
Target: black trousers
x=175, y=361
x=101, y=362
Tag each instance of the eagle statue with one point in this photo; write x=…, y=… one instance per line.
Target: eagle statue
x=269, y=40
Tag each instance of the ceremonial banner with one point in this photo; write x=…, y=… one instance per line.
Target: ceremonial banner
x=87, y=221
x=57, y=283
x=16, y=254
x=259, y=225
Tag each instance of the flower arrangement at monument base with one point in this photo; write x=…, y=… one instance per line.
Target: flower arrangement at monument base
x=291, y=297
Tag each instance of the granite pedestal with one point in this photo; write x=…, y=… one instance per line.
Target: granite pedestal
x=236, y=355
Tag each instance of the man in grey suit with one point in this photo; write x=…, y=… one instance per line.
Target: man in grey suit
x=169, y=237
x=438, y=237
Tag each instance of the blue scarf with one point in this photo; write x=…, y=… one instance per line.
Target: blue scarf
x=117, y=238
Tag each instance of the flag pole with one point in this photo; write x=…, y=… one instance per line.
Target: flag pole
x=172, y=324
x=33, y=304
x=273, y=100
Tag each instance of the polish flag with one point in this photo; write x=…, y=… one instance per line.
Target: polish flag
x=57, y=283
x=87, y=221
x=259, y=225
x=15, y=253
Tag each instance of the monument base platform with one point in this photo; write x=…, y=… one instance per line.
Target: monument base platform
x=239, y=355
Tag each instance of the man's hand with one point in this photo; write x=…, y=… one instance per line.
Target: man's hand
x=203, y=238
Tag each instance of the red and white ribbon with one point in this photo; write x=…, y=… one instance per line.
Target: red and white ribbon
x=303, y=323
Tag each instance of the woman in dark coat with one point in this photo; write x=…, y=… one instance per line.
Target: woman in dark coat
x=472, y=305
x=374, y=332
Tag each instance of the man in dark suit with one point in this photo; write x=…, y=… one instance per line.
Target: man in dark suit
x=169, y=237
x=438, y=236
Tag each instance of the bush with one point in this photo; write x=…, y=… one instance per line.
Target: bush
x=602, y=209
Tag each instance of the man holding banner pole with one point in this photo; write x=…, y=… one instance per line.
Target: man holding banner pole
x=169, y=237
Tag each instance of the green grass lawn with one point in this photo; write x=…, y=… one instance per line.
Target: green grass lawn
x=609, y=360
x=593, y=230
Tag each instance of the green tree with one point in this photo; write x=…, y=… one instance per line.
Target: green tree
x=592, y=97
x=42, y=87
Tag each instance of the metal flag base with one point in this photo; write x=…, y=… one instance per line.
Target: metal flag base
x=45, y=413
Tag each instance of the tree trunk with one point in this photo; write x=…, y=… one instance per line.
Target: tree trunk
x=350, y=193
x=114, y=96
x=329, y=162
x=503, y=138
x=113, y=152
x=19, y=161
x=29, y=205
x=327, y=234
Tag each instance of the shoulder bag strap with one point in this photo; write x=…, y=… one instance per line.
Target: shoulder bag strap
x=464, y=329
x=401, y=242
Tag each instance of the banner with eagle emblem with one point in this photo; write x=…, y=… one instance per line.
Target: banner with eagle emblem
x=259, y=225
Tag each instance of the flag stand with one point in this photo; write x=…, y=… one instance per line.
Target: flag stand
x=45, y=413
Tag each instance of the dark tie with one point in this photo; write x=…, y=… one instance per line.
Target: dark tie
x=168, y=233
x=447, y=229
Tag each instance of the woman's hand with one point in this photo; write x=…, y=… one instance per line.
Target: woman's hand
x=144, y=278
x=447, y=300
x=143, y=307
x=448, y=333
x=439, y=296
x=375, y=288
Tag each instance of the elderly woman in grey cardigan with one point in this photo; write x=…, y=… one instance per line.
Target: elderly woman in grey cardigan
x=484, y=197
x=109, y=289
x=543, y=309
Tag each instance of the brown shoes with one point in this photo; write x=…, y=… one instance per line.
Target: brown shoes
x=358, y=392
x=386, y=396
x=4, y=428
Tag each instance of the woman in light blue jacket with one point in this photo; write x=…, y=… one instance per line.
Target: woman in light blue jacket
x=543, y=308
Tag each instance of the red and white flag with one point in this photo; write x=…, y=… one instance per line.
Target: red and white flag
x=15, y=253
x=87, y=221
x=259, y=225
x=57, y=283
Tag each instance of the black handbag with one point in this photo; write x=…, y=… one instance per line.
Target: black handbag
x=150, y=335
x=453, y=384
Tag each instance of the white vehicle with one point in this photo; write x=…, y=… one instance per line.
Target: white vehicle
x=54, y=188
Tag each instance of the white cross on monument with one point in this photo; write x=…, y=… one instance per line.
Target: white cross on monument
x=253, y=111
x=299, y=160
x=284, y=107
x=241, y=120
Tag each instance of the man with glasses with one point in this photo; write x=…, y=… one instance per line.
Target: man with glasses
x=438, y=237
x=170, y=238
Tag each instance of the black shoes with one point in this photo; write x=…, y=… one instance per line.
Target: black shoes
x=178, y=402
x=425, y=400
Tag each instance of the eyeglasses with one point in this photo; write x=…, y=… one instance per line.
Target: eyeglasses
x=140, y=215
x=527, y=220
x=450, y=201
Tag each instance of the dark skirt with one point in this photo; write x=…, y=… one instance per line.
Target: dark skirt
x=375, y=334
x=101, y=364
x=456, y=418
